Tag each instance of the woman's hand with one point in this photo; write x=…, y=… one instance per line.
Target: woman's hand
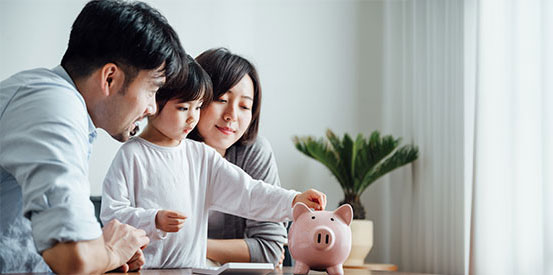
x=312, y=198
x=169, y=221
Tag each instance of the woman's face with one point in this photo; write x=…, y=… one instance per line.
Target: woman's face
x=226, y=119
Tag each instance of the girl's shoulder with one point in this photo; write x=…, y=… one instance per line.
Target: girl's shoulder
x=130, y=149
x=198, y=147
x=133, y=145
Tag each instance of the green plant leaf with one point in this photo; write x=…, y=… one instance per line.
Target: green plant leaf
x=357, y=164
x=320, y=151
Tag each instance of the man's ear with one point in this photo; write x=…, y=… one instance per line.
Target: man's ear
x=112, y=78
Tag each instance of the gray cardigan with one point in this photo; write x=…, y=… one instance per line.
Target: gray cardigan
x=264, y=239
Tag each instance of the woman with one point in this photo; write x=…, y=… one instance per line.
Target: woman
x=229, y=124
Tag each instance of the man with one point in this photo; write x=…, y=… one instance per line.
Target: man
x=119, y=54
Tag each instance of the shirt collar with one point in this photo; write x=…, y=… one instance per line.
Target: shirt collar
x=92, y=134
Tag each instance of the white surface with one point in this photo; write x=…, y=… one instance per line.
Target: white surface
x=237, y=268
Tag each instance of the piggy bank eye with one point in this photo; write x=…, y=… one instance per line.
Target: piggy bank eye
x=332, y=219
x=313, y=217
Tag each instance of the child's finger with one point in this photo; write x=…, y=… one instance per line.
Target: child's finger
x=322, y=200
x=172, y=228
x=175, y=228
x=312, y=204
x=319, y=198
x=175, y=221
x=176, y=215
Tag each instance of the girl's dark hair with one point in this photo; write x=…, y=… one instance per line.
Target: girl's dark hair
x=226, y=70
x=132, y=35
x=197, y=86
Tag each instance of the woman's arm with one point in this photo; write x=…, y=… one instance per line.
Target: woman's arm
x=228, y=250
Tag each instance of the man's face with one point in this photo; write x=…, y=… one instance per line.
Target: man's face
x=131, y=103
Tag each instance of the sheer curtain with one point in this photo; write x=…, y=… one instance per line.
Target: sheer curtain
x=418, y=210
x=511, y=229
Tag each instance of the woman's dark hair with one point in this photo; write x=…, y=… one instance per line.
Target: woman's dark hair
x=132, y=35
x=226, y=70
x=197, y=86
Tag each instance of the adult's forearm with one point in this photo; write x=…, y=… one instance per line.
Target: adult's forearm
x=228, y=250
x=264, y=251
x=80, y=257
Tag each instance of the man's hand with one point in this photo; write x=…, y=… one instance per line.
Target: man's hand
x=169, y=221
x=134, y=264
x=124, y=244
x=312, y=198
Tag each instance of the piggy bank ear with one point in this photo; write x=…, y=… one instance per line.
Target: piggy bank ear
x=345, y=212
x=300, y=208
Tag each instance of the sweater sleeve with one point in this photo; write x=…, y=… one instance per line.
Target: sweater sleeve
x=117, y=201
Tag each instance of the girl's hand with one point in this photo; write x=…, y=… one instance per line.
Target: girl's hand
x=169, y=221
x=312, y=198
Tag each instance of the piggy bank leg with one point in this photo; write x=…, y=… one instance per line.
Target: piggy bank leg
x=335, y=270
x=301, y=268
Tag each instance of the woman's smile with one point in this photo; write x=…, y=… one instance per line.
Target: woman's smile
x=225, y=130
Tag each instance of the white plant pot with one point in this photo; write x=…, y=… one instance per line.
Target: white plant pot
x=361, y=242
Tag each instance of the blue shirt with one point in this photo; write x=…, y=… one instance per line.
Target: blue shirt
x=46, y=136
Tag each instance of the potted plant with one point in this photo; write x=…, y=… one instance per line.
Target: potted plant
x=356, y=164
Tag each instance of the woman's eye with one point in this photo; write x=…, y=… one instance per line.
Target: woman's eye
x=183, y=109
x=246, y=108
x=198, y=108
x=222, y=100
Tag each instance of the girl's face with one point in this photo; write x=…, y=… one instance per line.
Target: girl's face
x=227, y=118
x=177, y=119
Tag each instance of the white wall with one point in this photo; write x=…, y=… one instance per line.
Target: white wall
x=319, y=63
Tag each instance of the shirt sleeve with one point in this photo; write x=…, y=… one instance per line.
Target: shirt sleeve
x=232, y=191
x=117, y=201
x=45, y=146
x=265, y=240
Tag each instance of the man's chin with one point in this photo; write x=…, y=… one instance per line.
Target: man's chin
x=126, y=135
x=122, y=137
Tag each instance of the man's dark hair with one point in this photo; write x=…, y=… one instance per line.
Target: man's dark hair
x=197, y=86
x=132, y=35
x=226, y=70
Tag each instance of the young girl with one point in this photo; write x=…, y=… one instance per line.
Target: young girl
x=166, y=184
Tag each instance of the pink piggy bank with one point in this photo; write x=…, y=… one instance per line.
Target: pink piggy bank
x=320, y=240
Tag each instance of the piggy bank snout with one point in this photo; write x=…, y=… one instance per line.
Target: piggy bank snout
x=323, y=238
